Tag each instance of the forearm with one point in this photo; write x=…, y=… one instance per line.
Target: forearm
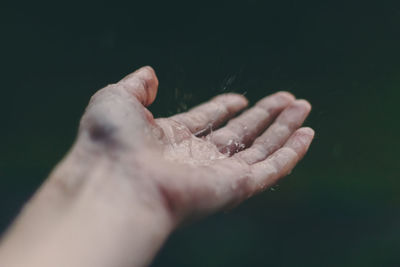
x=130, y=179
x=88, y=213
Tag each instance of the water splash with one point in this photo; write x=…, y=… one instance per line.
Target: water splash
x=274, y=188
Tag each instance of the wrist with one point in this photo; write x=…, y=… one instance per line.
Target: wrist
x=95, y=209
x=117, y=205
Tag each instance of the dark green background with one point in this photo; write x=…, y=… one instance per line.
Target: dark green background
x=340, y=207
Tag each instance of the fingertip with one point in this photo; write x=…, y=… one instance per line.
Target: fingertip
x=242, y=99
x=143, y=83
x=235, y=99
x=148, y=75
x=286, y=95
x=300, y=140
x=303, y=104
x=278, y=100
x=306, y=131
x=148, y=68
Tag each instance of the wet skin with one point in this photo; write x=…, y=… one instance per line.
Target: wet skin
x=130, y=179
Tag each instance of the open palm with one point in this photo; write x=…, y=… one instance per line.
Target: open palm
x=196, y=166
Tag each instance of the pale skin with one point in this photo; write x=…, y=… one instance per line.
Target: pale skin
x=130, y=180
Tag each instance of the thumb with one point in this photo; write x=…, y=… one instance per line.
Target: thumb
x=143, y=84
x=117, y=113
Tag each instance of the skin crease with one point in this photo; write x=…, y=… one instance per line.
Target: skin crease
x=130, y=180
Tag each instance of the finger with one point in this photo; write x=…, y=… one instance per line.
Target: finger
x=143, y=84
x=277, y=134
x=241, y=131
x=211, y=114
x=281, y=162
x=238, y=180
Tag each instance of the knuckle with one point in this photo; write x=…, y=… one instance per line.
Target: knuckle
x=110, y=89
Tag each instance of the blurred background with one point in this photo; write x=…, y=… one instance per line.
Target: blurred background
x=340, y=207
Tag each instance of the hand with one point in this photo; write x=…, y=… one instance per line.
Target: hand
x=130, y=179
x=187, y=161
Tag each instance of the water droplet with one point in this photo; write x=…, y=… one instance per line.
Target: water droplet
x=274, y=188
